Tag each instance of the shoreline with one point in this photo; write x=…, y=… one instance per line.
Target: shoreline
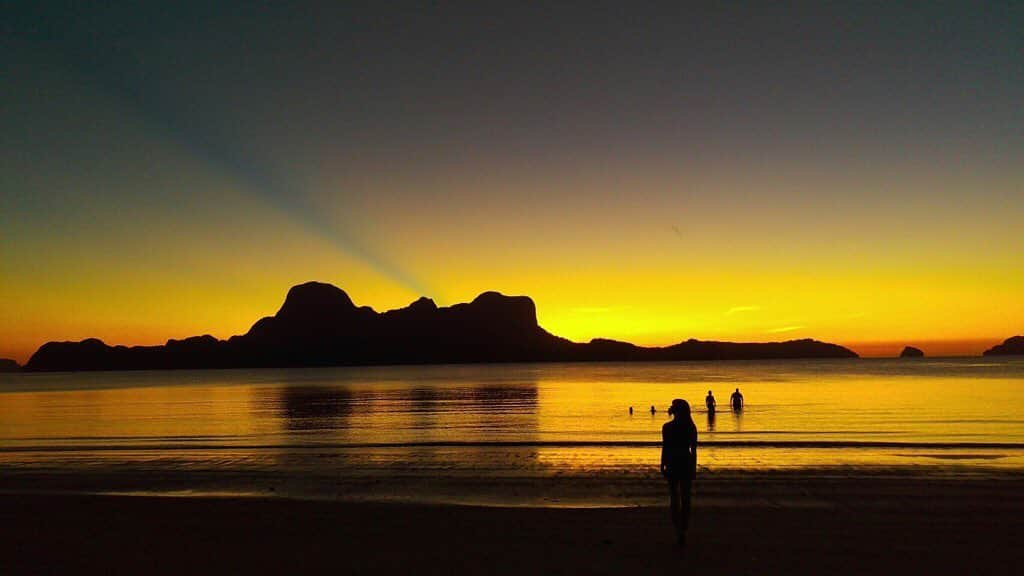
x=760, y=489
x=857, y=526
x=539, y=362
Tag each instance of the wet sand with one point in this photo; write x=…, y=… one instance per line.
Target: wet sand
x=839, y=525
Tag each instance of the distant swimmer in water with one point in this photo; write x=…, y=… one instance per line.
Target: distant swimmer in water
x=736, y=400
x=652, y=409
x=710, y=402
x=679, y=464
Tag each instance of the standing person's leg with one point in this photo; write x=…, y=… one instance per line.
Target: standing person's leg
x=674, y=503
x=685, y=495
x=680, y=507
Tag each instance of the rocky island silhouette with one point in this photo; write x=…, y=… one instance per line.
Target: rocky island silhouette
x=1012, y=346
x=319, y=325
x=911, y=352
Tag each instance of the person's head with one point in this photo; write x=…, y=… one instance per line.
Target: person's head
x=709, y=392
x=680, y=408
x=737, y=389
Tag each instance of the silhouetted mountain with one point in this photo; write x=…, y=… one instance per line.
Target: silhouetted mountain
x=319, y=325
x=8, y=365
x=911, y=352
x=1013, y=346
x=805, y=348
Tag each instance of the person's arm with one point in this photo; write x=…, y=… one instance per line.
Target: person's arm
x=664, y=448
x=693, y=450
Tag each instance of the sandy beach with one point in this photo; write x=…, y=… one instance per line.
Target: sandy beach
x=838, y=525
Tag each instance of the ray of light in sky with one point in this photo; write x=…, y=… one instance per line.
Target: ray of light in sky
x=849, y=173
x=196, y=134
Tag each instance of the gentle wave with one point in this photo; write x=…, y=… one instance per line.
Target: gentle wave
x=805, y=444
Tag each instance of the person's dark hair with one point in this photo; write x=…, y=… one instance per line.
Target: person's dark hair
x=680, y=409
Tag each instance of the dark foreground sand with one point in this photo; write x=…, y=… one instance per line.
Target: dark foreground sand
x=837, y=526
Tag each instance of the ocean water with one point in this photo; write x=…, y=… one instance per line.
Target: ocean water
x=517, y=432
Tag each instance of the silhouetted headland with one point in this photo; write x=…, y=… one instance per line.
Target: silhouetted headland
x=8, y=365
x=1012, y=346
x=911, y=352
x=319, y=325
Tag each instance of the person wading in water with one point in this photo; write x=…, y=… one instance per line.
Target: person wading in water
x=679, y=464
x=736, y=400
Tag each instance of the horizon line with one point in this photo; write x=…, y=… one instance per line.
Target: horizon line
x=865, y=349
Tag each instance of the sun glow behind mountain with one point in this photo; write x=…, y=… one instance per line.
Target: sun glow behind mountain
x=676, y=183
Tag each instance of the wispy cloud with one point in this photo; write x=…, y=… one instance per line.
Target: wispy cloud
x=785, y=329
x=739, y=309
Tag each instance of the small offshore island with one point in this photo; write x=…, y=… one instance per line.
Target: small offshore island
x=319, y=325
x=911, y=352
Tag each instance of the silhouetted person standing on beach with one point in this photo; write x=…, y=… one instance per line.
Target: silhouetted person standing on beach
x=736, y=400
x=709, y=401
x=679, y=463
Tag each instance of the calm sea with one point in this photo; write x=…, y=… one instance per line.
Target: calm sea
x=457, y=432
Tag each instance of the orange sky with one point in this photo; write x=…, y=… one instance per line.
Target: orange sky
x=597, y=260
x=705, y=172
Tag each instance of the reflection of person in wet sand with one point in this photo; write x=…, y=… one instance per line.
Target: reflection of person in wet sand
x=679, y=464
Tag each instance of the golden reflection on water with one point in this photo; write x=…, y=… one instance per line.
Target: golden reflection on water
x=318, y=418
x=164, y=414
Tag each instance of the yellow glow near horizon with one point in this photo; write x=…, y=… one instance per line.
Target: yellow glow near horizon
x=602, y=273
x=677, y=190
x=651, y=250
x=647, y=308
